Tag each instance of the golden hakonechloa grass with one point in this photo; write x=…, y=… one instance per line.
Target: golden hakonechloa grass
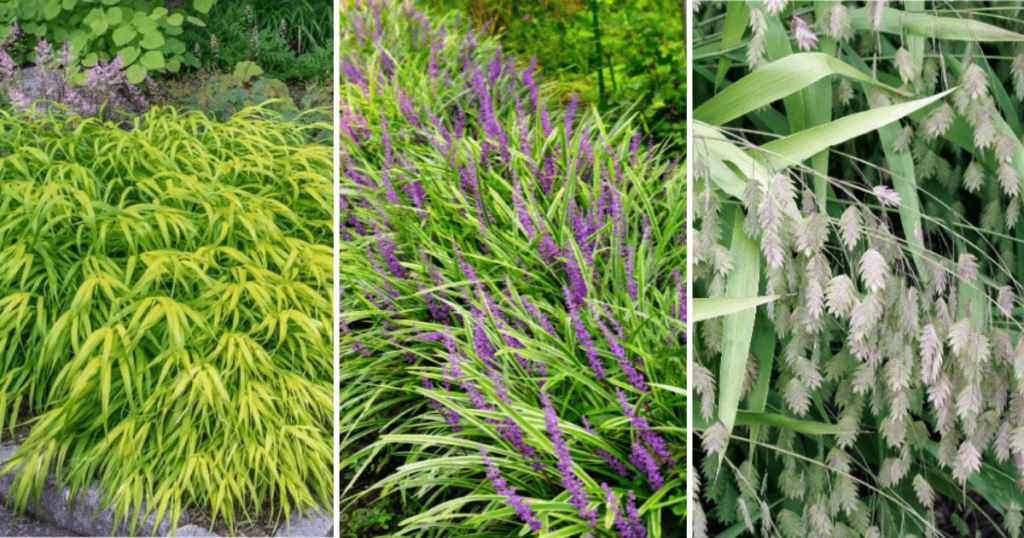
x=165, y=311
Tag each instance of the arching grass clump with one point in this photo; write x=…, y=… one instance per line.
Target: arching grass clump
x=165, y=311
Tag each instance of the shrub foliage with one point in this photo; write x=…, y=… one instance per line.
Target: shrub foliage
x=144, y=34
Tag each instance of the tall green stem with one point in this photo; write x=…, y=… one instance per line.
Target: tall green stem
x=603, y=103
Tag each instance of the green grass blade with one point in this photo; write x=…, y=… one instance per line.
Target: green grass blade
x=776, y=81
x=899, y=22
x=705, y=309
x=743, y=283
x=795, y=148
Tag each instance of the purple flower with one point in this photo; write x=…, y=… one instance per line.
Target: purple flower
x=578, y=496
x=679, y=309
x=522, y=507
x=653, y=440
x=6, y=65
x=44, y=53
x=634, y=144
x=636, y=528
x=450, y=415
x=530, y=83
x=408, y=110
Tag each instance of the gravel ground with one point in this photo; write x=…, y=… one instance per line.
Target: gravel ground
x=12, y=524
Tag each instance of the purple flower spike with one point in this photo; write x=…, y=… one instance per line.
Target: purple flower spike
x=538, y=316
x=577, y=291
x=577, y=495
x=570, y=114
x=522, y=507
x=630, y=525
x=631, y=287
x=642, y=459
x=587, y=341
x=387, y=251
x=517, y=200
x=636, y=379
x=613, y=462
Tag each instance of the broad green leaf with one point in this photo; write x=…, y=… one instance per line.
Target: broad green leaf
x=122, y=36
x=152, y=40
x=202, y=6
x=793, y=149
x=153, y=59
x=742, y=283
x=705, y=309
x=773, y=82
x=752, y=418
x=129, y=55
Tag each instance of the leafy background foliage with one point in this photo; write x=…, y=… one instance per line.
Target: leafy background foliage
x=291, y=41
x=166, y=312
x=145, y=34
x=860, y=168
x=642, y=48
x=482, y=271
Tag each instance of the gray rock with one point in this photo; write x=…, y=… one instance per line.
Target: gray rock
x=194, y=530
x=53, y=507
x=12, y=524
x=314, y=524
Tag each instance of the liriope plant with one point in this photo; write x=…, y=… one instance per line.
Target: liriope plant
x=513, y=303
x=839, y=151
x=166, y=313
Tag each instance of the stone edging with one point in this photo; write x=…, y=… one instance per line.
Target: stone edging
x=78, y=519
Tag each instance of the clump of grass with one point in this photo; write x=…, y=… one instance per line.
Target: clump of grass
x=165, y=297
x=512, y=305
